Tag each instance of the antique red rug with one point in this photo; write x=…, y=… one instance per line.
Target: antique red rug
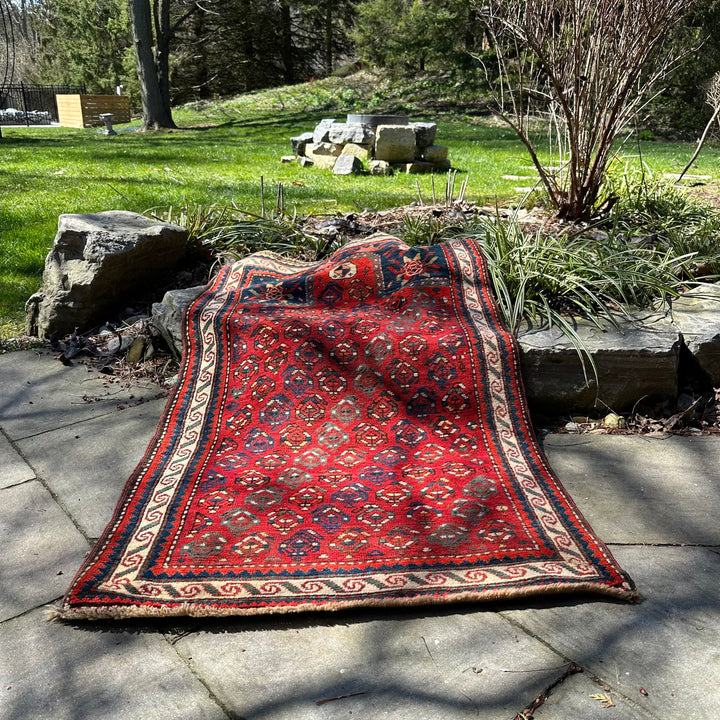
x=346, y=433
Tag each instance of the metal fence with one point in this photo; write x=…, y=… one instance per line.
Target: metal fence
x=23, y=104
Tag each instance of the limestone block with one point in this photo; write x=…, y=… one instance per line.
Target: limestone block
x=696, y=314
x=323, y=154
x=359, y=151
x=97, y=261
x=286, y=159
x=351, y=133
x=299, y=142
x=380, y=167
x=322, y=130
x=418, y=167
x=347, y=165
x=306, y=162
x=434, y=153
x=424, y=133
x=395, y=143
x=167, y=316
x=323, y=148
x=635, y=361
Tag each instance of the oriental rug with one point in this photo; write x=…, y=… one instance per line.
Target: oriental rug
x=351, y=432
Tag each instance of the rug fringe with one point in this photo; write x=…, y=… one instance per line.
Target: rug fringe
x=120, y=612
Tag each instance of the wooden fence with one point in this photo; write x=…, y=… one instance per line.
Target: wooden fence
x=80, y=111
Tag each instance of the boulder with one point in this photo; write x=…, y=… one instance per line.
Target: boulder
x=637, y=360
x=434, y=153
x=424, y=133
x=323, y=154
x=347, y=165
x=443, y=165
x=351, y=133
x=167, y=316
x=322, y=130
x=299, y=142
x=418, y=167
x=696, y=315
x=97, y=261
x=395, y=143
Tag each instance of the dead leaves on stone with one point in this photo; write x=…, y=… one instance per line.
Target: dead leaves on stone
x=701, y=416
x=128, y=352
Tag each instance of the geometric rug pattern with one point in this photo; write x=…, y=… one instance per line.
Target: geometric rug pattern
x=346, y=433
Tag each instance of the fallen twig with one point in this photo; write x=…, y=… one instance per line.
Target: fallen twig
x=340, y=697
x=527, y=713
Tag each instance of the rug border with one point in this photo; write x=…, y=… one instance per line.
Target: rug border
x=118, y=612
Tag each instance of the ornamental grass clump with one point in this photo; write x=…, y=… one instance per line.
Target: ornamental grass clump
x=544, y=278
x=225, y=230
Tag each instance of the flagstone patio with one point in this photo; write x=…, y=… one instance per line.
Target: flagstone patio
x=66, y=449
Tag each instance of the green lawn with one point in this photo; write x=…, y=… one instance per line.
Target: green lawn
x=219, y=156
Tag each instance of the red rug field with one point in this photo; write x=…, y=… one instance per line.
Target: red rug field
x=348, y=433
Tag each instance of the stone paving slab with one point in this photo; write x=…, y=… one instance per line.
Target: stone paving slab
x=483, y=661
x=669, y=644
x=38, y=393
x=637, y=489
x=65, y=672
x=87, y=464
x=40, y=549
x=13, y=469
x=447, y=665
x=572, y=699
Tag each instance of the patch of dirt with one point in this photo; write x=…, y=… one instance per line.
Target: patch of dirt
x=707, y=192
x=426, y=220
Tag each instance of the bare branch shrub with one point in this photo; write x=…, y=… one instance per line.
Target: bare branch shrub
x=588, y=66
x=712, y=98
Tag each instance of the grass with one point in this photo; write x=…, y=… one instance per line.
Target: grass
x=222, y=150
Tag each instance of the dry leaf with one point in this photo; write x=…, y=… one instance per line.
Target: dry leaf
x=606, y=700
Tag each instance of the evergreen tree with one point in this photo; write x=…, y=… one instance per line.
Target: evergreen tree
x=416, y=35
x=81, y=42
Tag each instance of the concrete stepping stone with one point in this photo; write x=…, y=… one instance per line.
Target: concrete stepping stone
x=668, y=644
x=13, y=469
x=446, y=665
x=86, y=465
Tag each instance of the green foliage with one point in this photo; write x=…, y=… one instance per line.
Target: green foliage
x=541, y=277
x=82, y=42
x=217, y=160
x=415, y=35
x=680, y=110
x=225, y=231
x=234, y=46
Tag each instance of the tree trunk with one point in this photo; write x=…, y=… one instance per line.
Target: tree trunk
x=287, y=44
x=156, y=108
x=163, y=34
x=329, y=37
